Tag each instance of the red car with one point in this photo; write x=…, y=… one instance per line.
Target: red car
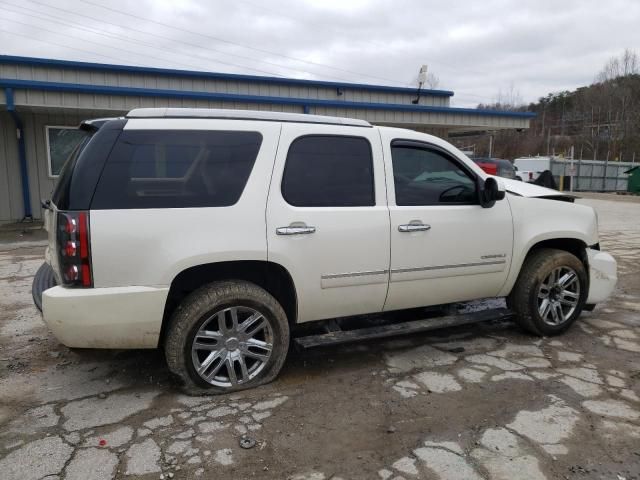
x=496, y=166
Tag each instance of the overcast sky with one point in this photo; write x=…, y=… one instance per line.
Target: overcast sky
x=476, y=48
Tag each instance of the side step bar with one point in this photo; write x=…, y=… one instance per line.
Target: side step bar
x=338, y=337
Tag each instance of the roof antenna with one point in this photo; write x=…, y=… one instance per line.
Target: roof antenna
x=422, y=78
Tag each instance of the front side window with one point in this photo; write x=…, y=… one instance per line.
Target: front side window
x=423, y=176
x=177, y=169
x=329, y=171
x=61, y=143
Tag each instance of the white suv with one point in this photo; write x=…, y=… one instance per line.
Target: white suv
x=213, y=233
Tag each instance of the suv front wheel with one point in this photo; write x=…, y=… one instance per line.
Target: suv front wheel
x=227, y=336
x=550, y=292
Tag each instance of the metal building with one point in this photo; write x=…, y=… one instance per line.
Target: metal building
x=43, y=100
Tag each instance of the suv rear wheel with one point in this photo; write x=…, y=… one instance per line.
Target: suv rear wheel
x=550, y=292
x=227, y=336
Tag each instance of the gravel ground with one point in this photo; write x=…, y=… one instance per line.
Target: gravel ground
x=486, y=401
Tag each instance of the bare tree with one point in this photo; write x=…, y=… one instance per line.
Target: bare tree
x=509, y=100
x=599, y=120
x=626, y=64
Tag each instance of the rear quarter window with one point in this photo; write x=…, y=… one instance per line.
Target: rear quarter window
x=79, y=176
x=177, y=169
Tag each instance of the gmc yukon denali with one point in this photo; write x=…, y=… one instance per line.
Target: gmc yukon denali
x=214, y=234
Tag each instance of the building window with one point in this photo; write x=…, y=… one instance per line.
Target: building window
x=61, y=141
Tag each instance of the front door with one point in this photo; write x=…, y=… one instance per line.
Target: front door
x=444, y=246
x=327, y=219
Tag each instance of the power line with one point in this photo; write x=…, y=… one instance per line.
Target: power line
x=237, y=44
x=324, y=28
x=192, y=45
x=57, y=44
x=105, y=33
x=102, y=44
x=308, y=22
x=177, y=41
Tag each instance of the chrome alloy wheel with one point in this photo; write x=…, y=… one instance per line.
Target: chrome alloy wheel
x=232, y=346
x=558, y=296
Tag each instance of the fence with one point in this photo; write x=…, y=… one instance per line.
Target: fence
x=591, y=175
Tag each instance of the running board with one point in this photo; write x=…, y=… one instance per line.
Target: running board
x=338, y=337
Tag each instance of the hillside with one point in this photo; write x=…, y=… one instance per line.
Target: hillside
x=599, y=120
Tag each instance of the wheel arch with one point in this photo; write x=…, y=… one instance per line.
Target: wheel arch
x=271, y=276
x=575, y=246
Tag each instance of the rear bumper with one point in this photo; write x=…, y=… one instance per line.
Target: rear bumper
x=119, y=317
x=603, y=275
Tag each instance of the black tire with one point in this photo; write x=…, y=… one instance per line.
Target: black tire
x=198, y=308
x=523, y=299
x=42, y=280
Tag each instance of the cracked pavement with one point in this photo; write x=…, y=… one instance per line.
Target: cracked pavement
x=476, y=402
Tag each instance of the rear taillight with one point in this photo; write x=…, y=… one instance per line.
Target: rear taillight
x=530, y=176
x=74, y=255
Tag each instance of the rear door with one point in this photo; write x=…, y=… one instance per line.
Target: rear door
x=327, y=219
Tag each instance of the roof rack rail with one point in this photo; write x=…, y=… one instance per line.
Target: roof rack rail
x=219, y=113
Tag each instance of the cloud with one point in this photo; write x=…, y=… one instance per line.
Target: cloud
x=475, y=48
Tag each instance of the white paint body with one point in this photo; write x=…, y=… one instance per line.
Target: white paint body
x=356, y=262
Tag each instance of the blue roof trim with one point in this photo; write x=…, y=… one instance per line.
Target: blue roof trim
x=47, y=62
x=232, y=97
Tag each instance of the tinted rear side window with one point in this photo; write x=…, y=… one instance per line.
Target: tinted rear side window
x=177, y=169
x=329, y=171
x=61, y=193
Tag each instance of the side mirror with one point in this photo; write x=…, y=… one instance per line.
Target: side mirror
x=492, y=191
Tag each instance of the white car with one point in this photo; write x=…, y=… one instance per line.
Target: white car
x=214, y=233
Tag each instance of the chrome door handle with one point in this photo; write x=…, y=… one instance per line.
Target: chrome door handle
x=414, y=227
x=295, y=230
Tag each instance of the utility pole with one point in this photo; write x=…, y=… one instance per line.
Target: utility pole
x=549, y=142
x=490, y=144
x=571, y=170
x=604, y=175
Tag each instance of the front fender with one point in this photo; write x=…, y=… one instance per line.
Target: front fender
x=536, y=220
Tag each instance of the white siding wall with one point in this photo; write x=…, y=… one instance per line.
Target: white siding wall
x=125, y=79
x=10, y=185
